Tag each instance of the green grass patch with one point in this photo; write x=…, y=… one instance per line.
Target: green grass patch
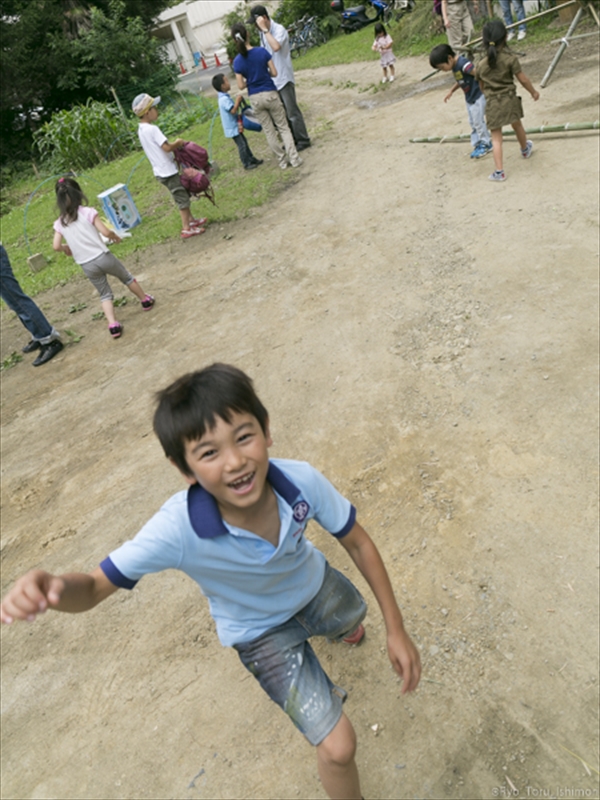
x=236, y=193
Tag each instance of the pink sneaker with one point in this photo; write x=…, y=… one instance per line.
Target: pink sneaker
x=147, y=302
x=115, y=330
x=356, y=637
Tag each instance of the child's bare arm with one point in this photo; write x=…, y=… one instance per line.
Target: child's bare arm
x=402, y=652
x=168, y=147
x=38, y=590
x=99, y=225
x=527, y=84
x=57, y=244
x=451, y=92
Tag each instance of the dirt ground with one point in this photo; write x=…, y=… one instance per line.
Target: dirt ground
x=428, y=340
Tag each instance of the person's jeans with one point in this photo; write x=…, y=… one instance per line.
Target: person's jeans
x=519, y=10
x=246, y=156
x=15, y=298
x=479, y=130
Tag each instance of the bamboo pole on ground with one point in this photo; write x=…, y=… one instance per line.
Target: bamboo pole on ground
x=461, y=137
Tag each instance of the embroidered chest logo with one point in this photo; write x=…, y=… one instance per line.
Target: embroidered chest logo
x=300, y=511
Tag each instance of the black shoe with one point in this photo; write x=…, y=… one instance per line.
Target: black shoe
x=31, y=346
x=251, y=166
x=258, y=161
x=48, y=351
x=303, y=146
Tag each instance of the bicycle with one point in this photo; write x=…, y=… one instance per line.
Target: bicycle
x=304, y=34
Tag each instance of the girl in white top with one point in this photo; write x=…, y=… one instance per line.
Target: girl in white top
x=81, y=227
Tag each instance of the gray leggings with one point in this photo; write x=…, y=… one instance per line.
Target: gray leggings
x=106, y=264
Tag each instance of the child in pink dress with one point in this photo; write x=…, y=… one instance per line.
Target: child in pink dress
x=383, y=44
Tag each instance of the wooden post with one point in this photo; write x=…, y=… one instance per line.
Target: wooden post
x=565, y=15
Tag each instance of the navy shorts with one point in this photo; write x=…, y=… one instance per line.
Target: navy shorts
x=286, y=666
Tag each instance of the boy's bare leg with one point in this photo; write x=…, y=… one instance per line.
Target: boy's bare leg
x=335, y=759
x=186, y=218
x=497, y=148
x=520, y=131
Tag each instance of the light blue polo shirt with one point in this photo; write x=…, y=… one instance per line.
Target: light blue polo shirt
x=251, y=585
x=229, y=120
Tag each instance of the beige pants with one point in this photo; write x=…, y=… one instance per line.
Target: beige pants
x=271, y=115
x=461, y=24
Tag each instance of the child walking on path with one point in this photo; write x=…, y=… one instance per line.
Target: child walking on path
x=159, y=152
x=444, y=58
x=81, y=227
x=239, y=532
x=383, y=45
x=229, y=119
x=496, y=73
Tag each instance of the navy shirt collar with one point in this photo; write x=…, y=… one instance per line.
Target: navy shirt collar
x=204, y=513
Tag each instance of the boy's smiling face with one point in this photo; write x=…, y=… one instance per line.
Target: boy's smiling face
x=231, y=462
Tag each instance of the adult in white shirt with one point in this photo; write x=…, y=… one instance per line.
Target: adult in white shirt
x=274, y=38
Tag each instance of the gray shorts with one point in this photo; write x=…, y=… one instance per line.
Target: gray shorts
x=180, y=195
x=286, y=666
x=106, y=264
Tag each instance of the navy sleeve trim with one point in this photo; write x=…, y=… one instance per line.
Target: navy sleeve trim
x=348, y=526
x=115, y=576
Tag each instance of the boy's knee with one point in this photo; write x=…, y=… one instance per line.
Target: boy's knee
x=339, y=747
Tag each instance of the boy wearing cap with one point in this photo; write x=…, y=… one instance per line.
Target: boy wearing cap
x=159, y=152
x=275, y=39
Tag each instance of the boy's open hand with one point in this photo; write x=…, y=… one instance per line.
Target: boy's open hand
x=31, y=595
x=448, y=96
x=405, y=660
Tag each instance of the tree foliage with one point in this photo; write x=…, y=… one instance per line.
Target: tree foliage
x=43, y=67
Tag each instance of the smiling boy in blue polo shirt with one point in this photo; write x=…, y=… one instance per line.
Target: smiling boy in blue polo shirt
x=239, y=532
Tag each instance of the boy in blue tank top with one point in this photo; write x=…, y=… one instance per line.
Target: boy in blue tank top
x=239, y=532
x=444, y=58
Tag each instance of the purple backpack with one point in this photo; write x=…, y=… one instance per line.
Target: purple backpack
x=194, y=169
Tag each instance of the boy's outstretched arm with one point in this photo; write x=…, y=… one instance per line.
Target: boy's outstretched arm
x=402, y=652
x=38, y=590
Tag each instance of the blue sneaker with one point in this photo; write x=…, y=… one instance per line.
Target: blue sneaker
x=484, y=148
x=476, y=153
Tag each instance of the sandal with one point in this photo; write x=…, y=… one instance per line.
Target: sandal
x=115, y=330
x=356, y=637
x=187, y=234
x=147, y=302
x=198, y=223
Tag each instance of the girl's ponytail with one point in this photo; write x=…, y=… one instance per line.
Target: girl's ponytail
x=494, y=37
x=68, y=199
x=239, y=34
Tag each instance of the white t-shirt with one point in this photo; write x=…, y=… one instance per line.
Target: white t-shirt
x=281, y=58
x=81, y=236
x=152, y=139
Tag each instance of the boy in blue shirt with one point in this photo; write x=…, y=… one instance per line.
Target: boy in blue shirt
x=443, y=57
x=238, y=531
x=229, y=111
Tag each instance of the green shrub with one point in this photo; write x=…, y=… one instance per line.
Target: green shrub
x=80, y=137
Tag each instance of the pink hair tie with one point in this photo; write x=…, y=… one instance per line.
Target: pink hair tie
x=61, y=180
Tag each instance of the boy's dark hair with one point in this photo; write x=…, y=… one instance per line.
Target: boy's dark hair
x=190, y=406
x=217, y=81
x=68, y=199
x=239, y=34
x=440, y=55
x=494, y=36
